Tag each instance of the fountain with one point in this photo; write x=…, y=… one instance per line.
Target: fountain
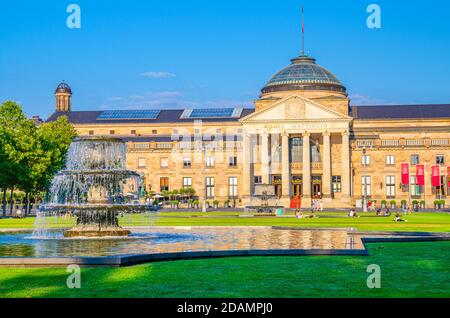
x=95, y=187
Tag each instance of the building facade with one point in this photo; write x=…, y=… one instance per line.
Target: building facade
x=303, y=137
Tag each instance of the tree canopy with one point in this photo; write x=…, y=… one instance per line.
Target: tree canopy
x=30, y=155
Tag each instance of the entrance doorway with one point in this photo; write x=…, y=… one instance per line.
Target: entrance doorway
x=297, y=186
x=316, y=185
x=277, y=182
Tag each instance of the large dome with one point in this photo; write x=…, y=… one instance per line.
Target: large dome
x=303, y=74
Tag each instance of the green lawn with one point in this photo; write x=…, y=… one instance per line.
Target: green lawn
x=423, y=222
x=407, y=270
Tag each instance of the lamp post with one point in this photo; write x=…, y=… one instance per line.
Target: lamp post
x=204, y=177
x=365, y=180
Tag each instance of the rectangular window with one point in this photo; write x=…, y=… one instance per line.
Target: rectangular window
x=209, y=162
x=232, y=187
x=141, y=162
x=415, y=188
x=296, y=149
x=440, y=159
x=366, y=185
x=164, y=184
x=415, y=159
x=390, y=187
x=187, y=182
x=209, y=187
x=232, y=161
x=258, y=179
x=154, y=132
x=440, y=191
x=112, y=132
x=133, y=132
x=390, y=160
x=366, y=160
x=187, y=162
x=91, y=132
x=336, y=182
x=164, y=162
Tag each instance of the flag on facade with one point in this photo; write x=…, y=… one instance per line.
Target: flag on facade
x=435, y=176
x=405, y=173
x=420, y=175
x=448, y=176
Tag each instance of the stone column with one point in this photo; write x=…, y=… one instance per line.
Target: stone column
x=265, y=158
x=345, y=166
x=326, y=164
x=246, y=166
x=306, y=169
x=285, y=166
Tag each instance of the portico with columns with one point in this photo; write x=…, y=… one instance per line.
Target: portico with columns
x=298, y=145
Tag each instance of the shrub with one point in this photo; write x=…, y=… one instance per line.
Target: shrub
x=392, y=202
x=383, y=202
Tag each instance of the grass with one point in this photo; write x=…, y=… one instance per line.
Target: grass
x=407, y=270
x=422, y=222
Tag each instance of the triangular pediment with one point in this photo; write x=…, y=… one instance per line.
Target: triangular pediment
x=293, y=108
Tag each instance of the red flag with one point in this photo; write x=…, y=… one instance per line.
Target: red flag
x=420, y=174
x=435, y=176
x=405, y=173
x=448, y=176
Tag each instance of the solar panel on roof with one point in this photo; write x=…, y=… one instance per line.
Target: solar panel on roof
x=129, y=114
x=212, y=113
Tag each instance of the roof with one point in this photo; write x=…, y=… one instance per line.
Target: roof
x=375, y=112
x=164, y=116
x=378, y=112
x=303, y=74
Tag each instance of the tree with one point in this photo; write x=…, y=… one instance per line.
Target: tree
x=16, y=133
x=54, y=140
x=31, y=156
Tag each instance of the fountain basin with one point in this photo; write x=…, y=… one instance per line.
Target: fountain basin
x=94, y=187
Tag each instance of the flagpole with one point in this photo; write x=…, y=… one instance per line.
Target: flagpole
x=303, y=31
x=425, y=184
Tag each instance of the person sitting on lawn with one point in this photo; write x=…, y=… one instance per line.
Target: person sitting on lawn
x=398, y=218
x=299, y=214
x=352, y=213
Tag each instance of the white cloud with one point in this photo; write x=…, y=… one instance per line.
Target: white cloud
x=359, y=99
x=158, y=74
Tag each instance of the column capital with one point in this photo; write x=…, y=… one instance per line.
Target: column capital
x=326, y=133
x=306, y=134
x=345, y=133
x=284, y=134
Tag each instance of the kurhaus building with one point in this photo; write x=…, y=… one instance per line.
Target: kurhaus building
x=302, y=136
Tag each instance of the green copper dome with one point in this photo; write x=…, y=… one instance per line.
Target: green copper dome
x=303, y=74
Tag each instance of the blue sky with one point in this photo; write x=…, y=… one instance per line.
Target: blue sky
x=199, y=53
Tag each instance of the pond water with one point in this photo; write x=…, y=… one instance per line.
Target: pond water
x=167, y=240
